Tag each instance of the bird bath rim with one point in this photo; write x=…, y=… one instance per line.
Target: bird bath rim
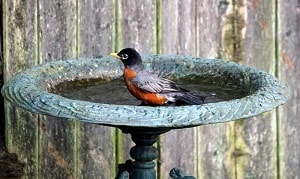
x=30, y=90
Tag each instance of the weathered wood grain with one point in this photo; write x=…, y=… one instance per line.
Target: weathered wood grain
x=57, y=157
x=20, y=45
x=96, y=27
x=138, y=25
x=96, y=152
x=58, y=137
x=258, y=135
x=215, y=143
x=57, y=30
x=2, y=113
x=289, y=72
x=96, y=144
x=210, y=24
x=178, y=36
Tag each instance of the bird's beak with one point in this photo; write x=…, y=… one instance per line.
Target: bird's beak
x=115, y=55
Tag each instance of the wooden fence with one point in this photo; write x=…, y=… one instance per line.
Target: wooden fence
x=260, y=33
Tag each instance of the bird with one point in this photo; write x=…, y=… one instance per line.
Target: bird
x=150, y=88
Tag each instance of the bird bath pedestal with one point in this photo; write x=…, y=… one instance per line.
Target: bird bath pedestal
x=34, y=90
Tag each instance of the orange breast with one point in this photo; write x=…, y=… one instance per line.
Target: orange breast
x=146, y=97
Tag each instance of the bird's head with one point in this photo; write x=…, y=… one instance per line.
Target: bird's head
x=129, y=56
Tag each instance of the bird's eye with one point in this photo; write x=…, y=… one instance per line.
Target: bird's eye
x=124, y=56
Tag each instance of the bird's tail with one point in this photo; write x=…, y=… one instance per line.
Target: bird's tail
x=189, y=99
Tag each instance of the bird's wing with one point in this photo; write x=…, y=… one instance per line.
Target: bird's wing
x=152, y=83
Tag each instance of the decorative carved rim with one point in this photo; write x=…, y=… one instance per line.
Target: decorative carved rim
x=31, y=91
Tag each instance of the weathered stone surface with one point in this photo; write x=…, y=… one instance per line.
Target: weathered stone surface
x=31, y=90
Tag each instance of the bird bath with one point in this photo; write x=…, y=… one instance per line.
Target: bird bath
x=39, y=90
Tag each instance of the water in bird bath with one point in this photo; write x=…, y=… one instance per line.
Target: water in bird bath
x=115, y=92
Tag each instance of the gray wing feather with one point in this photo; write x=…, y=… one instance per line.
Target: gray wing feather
x=152, y=83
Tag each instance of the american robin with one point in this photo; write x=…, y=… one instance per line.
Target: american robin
x=150, y=88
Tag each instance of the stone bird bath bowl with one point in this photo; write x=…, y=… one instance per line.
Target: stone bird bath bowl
x=36, y=90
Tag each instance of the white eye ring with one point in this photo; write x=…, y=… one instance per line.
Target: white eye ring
x=124, y=56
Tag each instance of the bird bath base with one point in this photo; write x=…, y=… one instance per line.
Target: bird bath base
x=144, y=154
x=33, y=91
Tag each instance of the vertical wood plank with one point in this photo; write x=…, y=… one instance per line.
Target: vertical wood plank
x=57, y=156
x=289, y=73
x=210, y=17
x=2, y=113
x=58, y=137
x=97, y=152
x=97, y=146
x=57, y=32
x=178, y=27
x=137, y=29
x=20, y=45
x=3, y=150
x=178, y=36
x=257, y=158
x=96, y=27
x=138, y=25
x=215, y=143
